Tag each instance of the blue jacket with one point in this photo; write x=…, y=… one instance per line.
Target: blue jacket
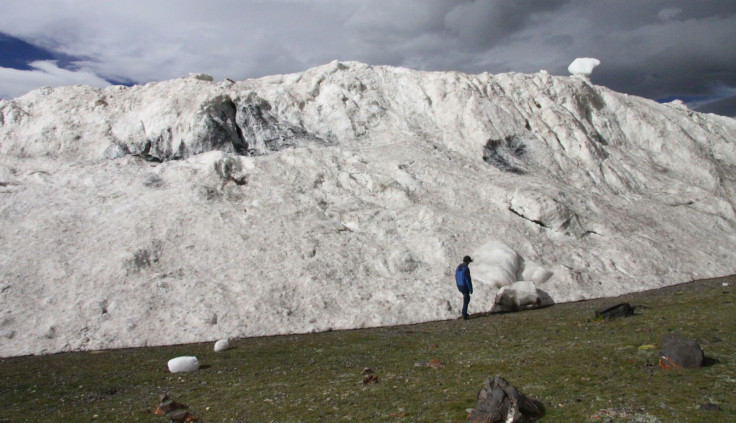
x=462, y=277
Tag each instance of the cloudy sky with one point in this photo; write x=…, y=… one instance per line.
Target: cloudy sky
x=652, y=48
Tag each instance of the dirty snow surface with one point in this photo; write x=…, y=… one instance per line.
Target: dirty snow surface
x=342, y=197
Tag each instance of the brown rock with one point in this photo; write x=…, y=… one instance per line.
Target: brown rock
x=370, y=379
x=167, y=405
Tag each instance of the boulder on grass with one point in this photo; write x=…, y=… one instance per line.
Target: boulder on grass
x=498, y=401
x=619, y=310
x=680, y=353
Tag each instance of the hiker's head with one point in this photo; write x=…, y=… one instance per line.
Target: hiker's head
x=467, y=259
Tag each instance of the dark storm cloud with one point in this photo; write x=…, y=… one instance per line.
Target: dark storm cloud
x=657, y=49
x=653, y=48
x=483, y=24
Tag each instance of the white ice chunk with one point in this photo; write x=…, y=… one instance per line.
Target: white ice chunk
x=222, y=345
x=583, y=66
x=183, y=364
x=496, y=264
x=535, y=273
x=519, y=295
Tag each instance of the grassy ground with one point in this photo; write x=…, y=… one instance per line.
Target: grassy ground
x=581, y=369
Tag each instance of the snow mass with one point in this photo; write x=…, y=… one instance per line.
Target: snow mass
x=343, y=197
x=583, y=66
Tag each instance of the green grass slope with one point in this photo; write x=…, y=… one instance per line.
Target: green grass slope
x=581, y=369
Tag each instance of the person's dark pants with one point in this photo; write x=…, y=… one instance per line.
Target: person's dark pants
x=466, y=301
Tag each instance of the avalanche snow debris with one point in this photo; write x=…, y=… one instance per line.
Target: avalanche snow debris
x=341, y=197
x=520, y=295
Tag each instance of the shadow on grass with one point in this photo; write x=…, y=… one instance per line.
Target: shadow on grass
x=709, y=362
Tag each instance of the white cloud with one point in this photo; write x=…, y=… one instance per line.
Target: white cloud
x=14, y=82
x=154, y=40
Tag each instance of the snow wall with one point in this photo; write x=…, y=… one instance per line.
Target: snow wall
x=342, y=197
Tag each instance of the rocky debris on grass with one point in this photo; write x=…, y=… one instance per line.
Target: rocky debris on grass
x=680, y=353
x=433, y=363
x=222, y=345
x=613, y=312
x=175, y=411
x=620, y=414
x=498, y=401
x=167, y=405
x=183, y=364
x=183, y=416
x=370, y=379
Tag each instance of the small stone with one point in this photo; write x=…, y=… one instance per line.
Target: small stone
x=370, y=379
x=710, y=407
x=435, y=363
x=167, y=405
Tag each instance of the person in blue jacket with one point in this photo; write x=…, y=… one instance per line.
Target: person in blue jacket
x=464, y=283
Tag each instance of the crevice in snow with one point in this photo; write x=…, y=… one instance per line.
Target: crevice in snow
x=146, y=155
x=682, y=203
x=538, y=222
